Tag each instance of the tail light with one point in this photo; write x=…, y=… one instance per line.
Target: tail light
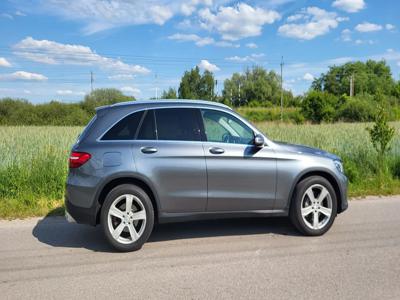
x=77, y=159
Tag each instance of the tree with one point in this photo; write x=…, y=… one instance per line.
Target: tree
x=194, y=85
x=255, y=87
x=369, y=77
x=381, y=134
x=106, y=96
x=169, y=94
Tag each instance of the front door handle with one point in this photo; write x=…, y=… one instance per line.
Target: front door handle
x=216, y=150
x=148, y=150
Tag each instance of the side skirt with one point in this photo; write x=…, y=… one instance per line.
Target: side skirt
x=194, y=216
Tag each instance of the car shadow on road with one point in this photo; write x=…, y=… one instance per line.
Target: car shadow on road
x=57, y=232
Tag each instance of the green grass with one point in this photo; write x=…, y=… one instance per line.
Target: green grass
x=33, y=163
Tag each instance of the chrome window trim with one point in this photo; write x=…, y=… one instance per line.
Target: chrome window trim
x=225, y=110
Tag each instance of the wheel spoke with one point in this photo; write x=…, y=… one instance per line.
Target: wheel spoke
x=132, y=232
x=326, y=211
x=117, y=231
x=310, y=194
x=306, y=211
x=114, y=211
x=140, y=215
x=315, y=220
x=322, y=195
x=129, y=199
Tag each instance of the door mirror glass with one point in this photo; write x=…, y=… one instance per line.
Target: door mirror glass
x=259, y=140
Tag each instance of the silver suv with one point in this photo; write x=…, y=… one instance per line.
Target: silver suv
x=146, y=161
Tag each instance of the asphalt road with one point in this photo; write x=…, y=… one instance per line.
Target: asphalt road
x=232, y=259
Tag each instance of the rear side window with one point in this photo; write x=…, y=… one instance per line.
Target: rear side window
x=125, y=129
x=178, y=124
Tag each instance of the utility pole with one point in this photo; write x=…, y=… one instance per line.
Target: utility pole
x=352, y=85
x=282, y=89
x=240, y=100
x=91, y=81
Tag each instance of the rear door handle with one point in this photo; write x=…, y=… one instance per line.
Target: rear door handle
x=148, y=150
x=216, y=150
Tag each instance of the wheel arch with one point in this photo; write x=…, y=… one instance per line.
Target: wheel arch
x=126, y=179
x=322, y=173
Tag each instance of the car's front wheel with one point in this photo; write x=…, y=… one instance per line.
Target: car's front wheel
x=314, y=206
x=127, y=217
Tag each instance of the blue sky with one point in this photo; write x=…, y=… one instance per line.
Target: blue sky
x=48, y=48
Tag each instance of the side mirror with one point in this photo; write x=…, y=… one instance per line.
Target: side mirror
x=259, y=140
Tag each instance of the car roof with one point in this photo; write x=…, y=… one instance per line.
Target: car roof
x=162, y=102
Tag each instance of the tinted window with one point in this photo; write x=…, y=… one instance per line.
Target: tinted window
x=125, y=129
x=178, y=124
x=148, y=129
x=224, y=128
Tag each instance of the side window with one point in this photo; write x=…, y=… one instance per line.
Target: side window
x=148, y=128
x=178, y=124
x=124, y=129
x=224, y=128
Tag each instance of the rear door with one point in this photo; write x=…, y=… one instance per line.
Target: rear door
x=241, y=177
x=168, y=151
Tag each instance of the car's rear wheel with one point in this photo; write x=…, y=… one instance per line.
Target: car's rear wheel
x=314, y=206
x=127, y=217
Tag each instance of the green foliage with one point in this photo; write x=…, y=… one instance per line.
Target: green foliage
x=356, y=109
x=381, y=134
x=262, y=114
x=101, y=97
x=22, y=112
x=319, y=107
x=369, y=77
x=169, y=94
x=256, y=87
x=194, y=85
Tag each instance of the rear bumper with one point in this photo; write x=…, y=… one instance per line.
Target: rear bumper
x=77, y=208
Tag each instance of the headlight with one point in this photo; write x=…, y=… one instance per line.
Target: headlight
x=339, y=166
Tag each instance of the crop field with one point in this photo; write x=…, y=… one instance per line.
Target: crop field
x=33, y=163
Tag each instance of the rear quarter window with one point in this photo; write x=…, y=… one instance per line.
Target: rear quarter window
x=125, y=129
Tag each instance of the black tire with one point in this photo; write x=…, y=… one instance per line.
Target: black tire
x=295, y=207
x=147, y=204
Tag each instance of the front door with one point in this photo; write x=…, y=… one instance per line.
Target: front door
x=241, y=177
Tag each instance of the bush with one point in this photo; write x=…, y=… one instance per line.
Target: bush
x=319, y=106
x=356, y=110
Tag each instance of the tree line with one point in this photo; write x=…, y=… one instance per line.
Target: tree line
x=327, y=100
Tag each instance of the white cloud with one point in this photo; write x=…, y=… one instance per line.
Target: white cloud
x=69, y=92
x=249, y=58
x=350, y=6
x=22, y=75
x=346, y=35
x=206, y=65
x=315, y=22
x=308, y=77
x=368, y=27
x=20, y=14
x=201, y=41
x=240, y=21
x=189, y=7
x=101, y=15
x=130, y=90
x=50, y=52
x=390, y=27
x=7, y=16
x=251, y=45
x=4, y=62
x=121, y=77
x=361, y=42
